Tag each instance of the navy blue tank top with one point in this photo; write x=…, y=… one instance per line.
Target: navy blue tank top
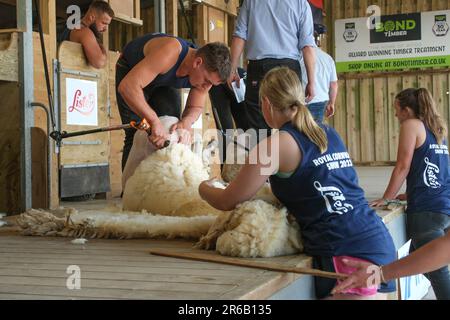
x=324, y=196
x=64, y=35
x=133, y=53
x=428, y=180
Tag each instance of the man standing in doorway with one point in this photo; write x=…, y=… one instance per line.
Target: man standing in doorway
x=326, y=80
x=92, y=25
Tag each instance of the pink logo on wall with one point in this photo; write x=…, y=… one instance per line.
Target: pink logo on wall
x=81, y=102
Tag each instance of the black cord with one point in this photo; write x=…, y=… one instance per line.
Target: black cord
x=188, y=24
x=44, y=57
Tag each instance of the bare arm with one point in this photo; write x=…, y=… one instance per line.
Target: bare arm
x=191, y=113
x=157, y=61
x=95, y=52
x=237, y=47
x=333, y=91
x=194, y=106
x=246, y=184
x=278, y=152
x=406, y=147
x=309, y=56
x=431, y=256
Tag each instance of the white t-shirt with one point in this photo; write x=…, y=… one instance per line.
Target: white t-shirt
x=325, y=74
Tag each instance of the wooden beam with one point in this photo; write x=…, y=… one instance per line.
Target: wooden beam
x=137, y=9
x=10, y=30
x=172, y=17
x=245, y=263
x=230, y=7
x=202, y=25
x=9, y=2
x=126, y=19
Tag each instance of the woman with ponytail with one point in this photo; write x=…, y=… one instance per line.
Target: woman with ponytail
x=315, y=179
x=423, y=160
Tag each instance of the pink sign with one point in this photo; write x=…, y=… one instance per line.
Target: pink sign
x=81, y=102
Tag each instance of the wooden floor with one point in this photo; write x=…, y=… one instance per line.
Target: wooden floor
x=36, y=268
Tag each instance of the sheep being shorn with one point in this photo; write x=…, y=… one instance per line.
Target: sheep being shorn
x=254, y=229
x=161, y=200
x=166, y=183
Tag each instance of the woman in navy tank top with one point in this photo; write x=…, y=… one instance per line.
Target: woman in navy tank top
x=423, y=160
x=311, y=173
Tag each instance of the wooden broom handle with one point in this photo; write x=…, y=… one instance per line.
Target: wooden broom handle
x=245, y=263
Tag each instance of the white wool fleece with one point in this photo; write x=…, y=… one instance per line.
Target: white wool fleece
x=254, y=229
x=166, y=183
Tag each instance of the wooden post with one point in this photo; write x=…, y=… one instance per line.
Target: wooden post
x=202, y=25
x=172, y=17
x=24, y=22
x=137, y=9
x=48, y=18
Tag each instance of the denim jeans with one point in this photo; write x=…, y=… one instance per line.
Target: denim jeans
x=317, y=110
x=423, y=227
x=165, y=101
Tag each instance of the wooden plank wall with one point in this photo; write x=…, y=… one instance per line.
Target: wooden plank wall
x=116, y=137
x=120, y=33
x=10, y=139
x=364, y=109
x=9, y=67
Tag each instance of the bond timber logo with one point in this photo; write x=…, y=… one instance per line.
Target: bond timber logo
x=440, y=27
x=350, y=33
x=398, y=27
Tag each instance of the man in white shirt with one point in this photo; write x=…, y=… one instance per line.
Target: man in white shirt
x=326, y=85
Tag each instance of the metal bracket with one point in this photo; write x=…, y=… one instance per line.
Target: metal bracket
x=80, y=73
x=84, y=165
x=81, y=143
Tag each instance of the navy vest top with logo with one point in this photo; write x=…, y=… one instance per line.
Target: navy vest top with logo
x=324, y=196
x=428, y=181
x=133, y=53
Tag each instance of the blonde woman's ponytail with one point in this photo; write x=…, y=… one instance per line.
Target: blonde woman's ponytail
x=284, y=90
x=304, y=122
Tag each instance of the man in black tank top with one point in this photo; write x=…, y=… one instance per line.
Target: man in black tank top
x=148, y=73
x=88, y=33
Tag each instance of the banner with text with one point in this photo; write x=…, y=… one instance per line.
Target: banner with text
x=401, y=41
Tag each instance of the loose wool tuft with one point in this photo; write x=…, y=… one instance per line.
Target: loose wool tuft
x=254, y=229
x=166, y=183
x=112, y=225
